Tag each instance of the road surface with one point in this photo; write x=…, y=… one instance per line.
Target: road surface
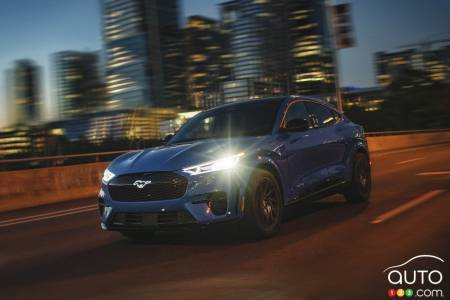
x=325, y=250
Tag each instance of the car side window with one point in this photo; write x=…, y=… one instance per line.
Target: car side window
x=296, y=110
x=324, y=115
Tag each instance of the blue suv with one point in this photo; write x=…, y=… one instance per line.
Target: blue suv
x=244, y=162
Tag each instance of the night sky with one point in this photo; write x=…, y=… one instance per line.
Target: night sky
x=36, y=28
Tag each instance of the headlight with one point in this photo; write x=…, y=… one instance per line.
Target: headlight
x=107, y=176
x=215, y=165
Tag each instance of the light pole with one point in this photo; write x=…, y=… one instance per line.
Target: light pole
x=341, y=32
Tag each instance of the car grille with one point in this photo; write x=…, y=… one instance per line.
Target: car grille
x=159, y=186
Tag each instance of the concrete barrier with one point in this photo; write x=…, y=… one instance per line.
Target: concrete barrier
x=403, y=141
x=34, y=187
x=28, y=188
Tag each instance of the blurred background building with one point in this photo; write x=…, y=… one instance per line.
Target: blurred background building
x=15, y=141
x=208, y=61
x=152, y=75
x=24, y=92
x=141, y=124
x=79, y=88
x=367, y=99
x=278, y=47
x=423, y=66
x=144, y=53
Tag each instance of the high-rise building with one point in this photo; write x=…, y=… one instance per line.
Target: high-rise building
x=369, y=99
x=133, y=125
x=278, y=47
x=207, y=61
x=24, y=92
x=78, y=85
x=390, y=66
x=15, y=141
x=419, y=66
x=437, y=62
x=9, y=90
x=311, y=67
x=144, y=53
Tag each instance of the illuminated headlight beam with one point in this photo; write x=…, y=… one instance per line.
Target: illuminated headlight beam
x=225, y=163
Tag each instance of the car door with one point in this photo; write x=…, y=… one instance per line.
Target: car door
x=300, y=152
x=333, y=148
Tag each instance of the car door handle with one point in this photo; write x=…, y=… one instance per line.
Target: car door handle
x=330, y=141
x=333, y=141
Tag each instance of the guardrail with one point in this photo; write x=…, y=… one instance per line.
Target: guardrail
x=74, y=159
x=403, y=132
x=60, y=181
x=59, y=160
x=95, y=157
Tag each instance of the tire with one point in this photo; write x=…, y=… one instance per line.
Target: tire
x=263, y=206
x=138, y=236
x=361, y=184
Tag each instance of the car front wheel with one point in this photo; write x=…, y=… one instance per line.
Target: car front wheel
x=263, y=206
x=360, y=187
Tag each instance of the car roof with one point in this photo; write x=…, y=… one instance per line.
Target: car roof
x=251, y=101
x=272, y=99
x=314, y=99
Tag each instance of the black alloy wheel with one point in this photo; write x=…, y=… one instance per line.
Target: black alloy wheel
x=361, y=184
x=263, y=207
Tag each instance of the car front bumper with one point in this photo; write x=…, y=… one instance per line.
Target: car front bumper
x=209, y=198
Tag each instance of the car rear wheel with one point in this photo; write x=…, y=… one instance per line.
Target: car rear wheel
x=361, y=184
x=263, y=205
x=138, y=236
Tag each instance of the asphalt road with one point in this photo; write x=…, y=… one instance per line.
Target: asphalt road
x=325, y=250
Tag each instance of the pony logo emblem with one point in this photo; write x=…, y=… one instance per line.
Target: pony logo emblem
x=140, y=184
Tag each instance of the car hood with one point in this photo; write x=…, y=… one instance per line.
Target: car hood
x=178, y=156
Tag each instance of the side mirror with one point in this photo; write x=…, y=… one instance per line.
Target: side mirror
x=167, y=138
x=296, y=125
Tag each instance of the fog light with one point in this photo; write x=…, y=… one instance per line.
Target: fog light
x=217, y=203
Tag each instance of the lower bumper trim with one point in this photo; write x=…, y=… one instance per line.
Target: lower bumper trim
x=150, y=220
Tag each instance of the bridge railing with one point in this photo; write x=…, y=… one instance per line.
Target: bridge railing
x=403, y=132
x=37, y=181
x=74, y=159
x=58, y=160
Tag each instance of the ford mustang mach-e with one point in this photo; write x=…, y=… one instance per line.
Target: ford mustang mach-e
x=244, y=162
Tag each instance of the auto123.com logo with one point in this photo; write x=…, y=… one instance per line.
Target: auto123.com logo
x=419, y=281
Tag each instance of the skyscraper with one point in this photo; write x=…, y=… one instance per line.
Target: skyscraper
x=311, y=67
x=24, y=79
x=413, y=67
x=278, y=47
x=207, y=61
x=78, y=85
x=144, y=53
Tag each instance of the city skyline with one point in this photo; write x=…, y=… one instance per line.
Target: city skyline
x=86, y=35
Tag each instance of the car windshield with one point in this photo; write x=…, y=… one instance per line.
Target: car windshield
x=248, y=119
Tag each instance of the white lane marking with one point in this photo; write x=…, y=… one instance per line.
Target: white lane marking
x=402, y=208
x=49, y=215
x=409, y=160
x=433, y=173
x=45, y=218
